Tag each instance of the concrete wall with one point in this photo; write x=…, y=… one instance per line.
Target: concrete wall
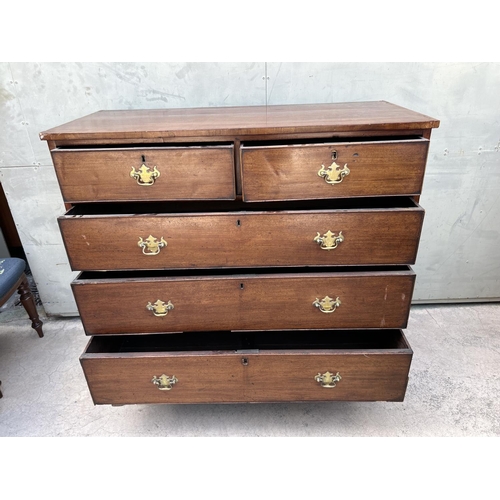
x=458, y=257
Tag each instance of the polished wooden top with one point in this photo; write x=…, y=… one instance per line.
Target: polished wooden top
x=245, y=121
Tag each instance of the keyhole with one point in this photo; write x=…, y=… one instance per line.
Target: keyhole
x=143, y=159
x=334, y=155
x=244, y=361
x=238, y=223
x=242, y=286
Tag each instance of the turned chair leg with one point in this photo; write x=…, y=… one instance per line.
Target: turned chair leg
x=29, y=304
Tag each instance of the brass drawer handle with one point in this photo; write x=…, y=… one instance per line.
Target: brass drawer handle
x=151, y=245
x=159, y=308
x=164, y=382
x=327, y=305
x=329, y=240
x=145, y=176
x=334, y=174
x=328, y=380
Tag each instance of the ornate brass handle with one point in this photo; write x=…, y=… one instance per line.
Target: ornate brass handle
x=327, y=305
x=159, y=308
x=145, y=176
x=164, y=382
x=151, y=245
x=328, y=380
x=329, y=240
x=334, y=174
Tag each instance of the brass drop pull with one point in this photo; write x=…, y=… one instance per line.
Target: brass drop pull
x=145, y=176
x=329, y=240
x=164, y=382
x=151, y=245
x=327, y=305
x=159, y=308
x=328, y=380
x=334, y=174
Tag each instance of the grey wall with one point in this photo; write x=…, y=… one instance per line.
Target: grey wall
x=458, y=257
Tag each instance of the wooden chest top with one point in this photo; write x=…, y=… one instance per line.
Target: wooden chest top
x=247, y=121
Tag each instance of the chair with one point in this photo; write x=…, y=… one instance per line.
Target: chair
x=12, y=278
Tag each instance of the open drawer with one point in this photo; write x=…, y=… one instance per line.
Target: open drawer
x=128, y=173
x=114, y=236
x=248, y=367
x=133, y=302
x=319, y=170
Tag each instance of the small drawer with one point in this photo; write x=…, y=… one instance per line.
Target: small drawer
x=140, y=174
x=375, y=232
x=333, y=170
x=273, y=299
x=253, y=367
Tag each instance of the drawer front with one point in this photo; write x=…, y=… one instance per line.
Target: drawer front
x=263, y=376
x=134, y=174
x=369, y=237
x=263, y=302
x=291, y=172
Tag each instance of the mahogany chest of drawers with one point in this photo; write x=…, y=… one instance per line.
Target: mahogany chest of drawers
x=250, y=254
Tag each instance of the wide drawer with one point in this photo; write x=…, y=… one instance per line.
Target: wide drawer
x=271, y=300
x=333, y=170
x=157, y=173
x=252, y=367
x=371, y=233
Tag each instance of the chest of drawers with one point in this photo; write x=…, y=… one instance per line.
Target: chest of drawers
x=251, y=254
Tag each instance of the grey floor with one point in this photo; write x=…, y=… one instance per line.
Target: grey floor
x=454, y=388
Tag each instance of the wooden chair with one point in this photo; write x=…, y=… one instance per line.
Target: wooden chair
x=12, y=278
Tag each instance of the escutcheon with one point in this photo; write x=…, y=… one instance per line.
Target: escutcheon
x=328, y=380
x=329, y=240
x=145, y=176
x=159, y=308
x=334, y=174
x=327, y=305
x=164, y=382
x=151, y=245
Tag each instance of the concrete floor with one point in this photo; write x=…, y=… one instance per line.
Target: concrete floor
x=454, y=388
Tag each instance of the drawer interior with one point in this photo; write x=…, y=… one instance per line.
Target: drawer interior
x=139, y=147
x=242, y=272
x=142, y=208
x=358, y=341
x=332, y=141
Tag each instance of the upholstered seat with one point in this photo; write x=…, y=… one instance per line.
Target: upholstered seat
x=10, y=271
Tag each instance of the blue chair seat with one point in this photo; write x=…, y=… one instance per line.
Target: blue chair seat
x=10, y=271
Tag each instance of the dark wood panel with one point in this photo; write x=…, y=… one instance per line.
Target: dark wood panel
x=171, y=140
x=290, y=172
x=240, y=121
x=265, y=376
x=371, y=237
x=186, y=173
x=260, y=302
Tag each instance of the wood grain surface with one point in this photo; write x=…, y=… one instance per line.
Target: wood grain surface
x=166, y=124
x=186, y=173
x=290, y=172
x=264, y=376
x=245, y=302
x=371, y=237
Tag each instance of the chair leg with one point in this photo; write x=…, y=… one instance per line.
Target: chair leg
x=29, y=304
x=1, y=395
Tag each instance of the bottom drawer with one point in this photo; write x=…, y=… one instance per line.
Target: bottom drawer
x=248, y=367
